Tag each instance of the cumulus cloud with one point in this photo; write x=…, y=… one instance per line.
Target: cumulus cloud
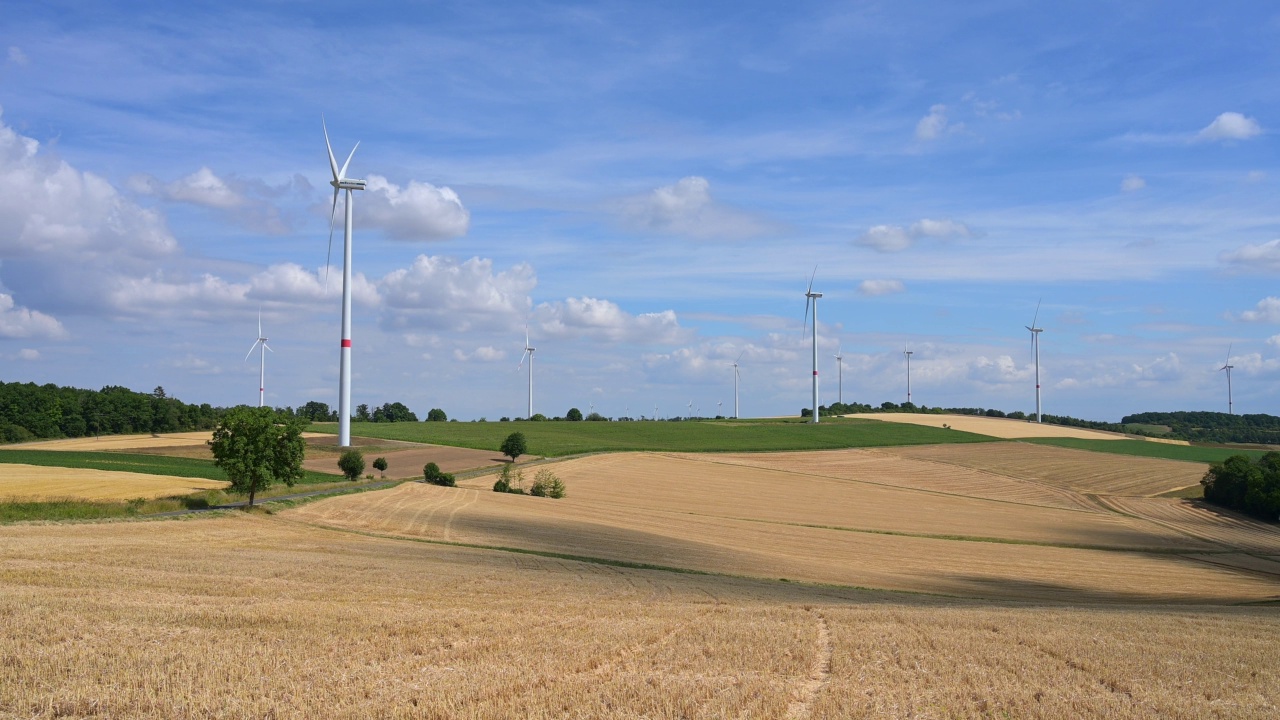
x=419, y=211
x=602, y=319
x=932, y=126
x=28, y=354
x=1132, y=183
x=1000, y=370
x=895, y=238
x=687, y=208
x=1231, y=126
x=288, y=282
x=20, y=322
x=1267, y=310
x=483, y=354
x=880, y=287
x=444, y=292
x=1265, y=256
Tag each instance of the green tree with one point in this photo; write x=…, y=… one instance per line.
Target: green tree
x=380, y=465
x=362, y=413
x=431, y=473
x=514, y=446
x=436, y=415
x=351, y=464
x=574, y=414
x=256, y=448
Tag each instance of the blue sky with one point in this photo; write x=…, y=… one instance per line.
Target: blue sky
x=648, y=186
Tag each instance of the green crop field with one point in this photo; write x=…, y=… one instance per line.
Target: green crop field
x=136, y=463
x=555, y=439
x=1143, y=448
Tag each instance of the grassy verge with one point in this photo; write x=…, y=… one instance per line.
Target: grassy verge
x=136, y=463
x=555, y=439
x=1142, y=448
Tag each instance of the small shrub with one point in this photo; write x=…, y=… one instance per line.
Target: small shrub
x=351, y=464
x=431, y=473
x=546, y=484
x=381, y=466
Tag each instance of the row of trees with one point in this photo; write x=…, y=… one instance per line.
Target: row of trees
x=1217, y=427
x=1248, y=486
x=29, y=412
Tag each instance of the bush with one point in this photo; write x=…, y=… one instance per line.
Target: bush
x=436, y=415
x=381, y=466
x=351, y=464
x=546, y=484
x=514, y=446
x=507, y=483
x=431, y=473
x=574, y=415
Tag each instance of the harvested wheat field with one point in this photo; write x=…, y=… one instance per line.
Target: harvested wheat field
x=31, y=483
x=404, y=459
x=993, y=427
x=704, y=515
x=257, y=616
x=1077, y=470
x=119, y=442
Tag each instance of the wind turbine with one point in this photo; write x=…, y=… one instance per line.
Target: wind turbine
x=342, y=182
x=690, y=409
x=812, y=297
x=1228, y=366
x=907, y=353
x=262, y=362
x=1035, y=349
x=528, y=352
x=736, y=376
x=719, y=404
x=840, y=374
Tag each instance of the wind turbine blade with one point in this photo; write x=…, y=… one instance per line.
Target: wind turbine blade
x=744, y=352
x=811, y=277
x=342, y=174
x=333, y=163
x=259, y=322
x=522, y=357
x=1037, y=315
x=526, y=336
x=268, y=347
x=328, y=255
x=805, y=329
x=251, y=349
x=1228, y=362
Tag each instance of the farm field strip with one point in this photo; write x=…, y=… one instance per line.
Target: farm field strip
x=1197, y=519
x=1077, y=470
x=252, y=615
x=993, y=427
x=752, y=549
x=36, y=483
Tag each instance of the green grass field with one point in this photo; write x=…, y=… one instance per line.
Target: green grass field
x=555, y=439
x=1142, y=448
x=136, y=463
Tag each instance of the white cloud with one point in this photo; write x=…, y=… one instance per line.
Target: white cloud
x=288, y=282
x=1267, y=310
x=932, y=126
x=603, y=319
x=1231, y=126
x=204, y=188
x=1132, y=183
x=483, y=354
x=1255, y=257
x=16, y=56
x=20, y=322
x=880, y=287
x=28, y=354
x=420, y=211
x=999, y=371
x=458, y=295
x=687, y=208
x=895, y=238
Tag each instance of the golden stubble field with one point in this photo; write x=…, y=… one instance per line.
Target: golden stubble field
x=256, y=616
x=36, y=482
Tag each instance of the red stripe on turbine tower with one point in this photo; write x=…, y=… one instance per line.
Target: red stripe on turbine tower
x=346, y=343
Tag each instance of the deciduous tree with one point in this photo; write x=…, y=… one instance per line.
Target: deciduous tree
x=256, y=447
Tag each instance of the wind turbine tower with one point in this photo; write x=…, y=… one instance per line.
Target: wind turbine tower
x=907, y=353
x=342, y=182
x=528, y=353
x=736, y=376
x=840, y=375
x=262, y=362
x=812, y=297
x=1035, y=350
x=1228, y=366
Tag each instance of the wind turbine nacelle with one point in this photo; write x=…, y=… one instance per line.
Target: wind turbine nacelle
x=348, y=184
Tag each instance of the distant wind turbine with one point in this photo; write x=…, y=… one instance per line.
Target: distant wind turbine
x=262, y=362
x=1228, y=366
x=342, y=182
x=528, y=353
x=736, y=376
x=690, y=409
x=907, y=353
x=840, y=374
x=1035, y=349
x=812, y=297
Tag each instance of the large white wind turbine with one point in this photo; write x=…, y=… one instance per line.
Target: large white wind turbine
x=840, y=374
x=1228, y=367
x=528, y=353
x=262, y=362
x=907, y=353
x=812, y=297
x=1035, y=350
x=736, y=376
x=342, y=182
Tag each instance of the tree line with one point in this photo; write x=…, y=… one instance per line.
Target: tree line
x=1248, y=486
x=1202, y=426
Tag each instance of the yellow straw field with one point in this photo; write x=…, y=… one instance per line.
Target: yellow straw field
x=255, y=616
x=993, y=427
x=31, y=482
